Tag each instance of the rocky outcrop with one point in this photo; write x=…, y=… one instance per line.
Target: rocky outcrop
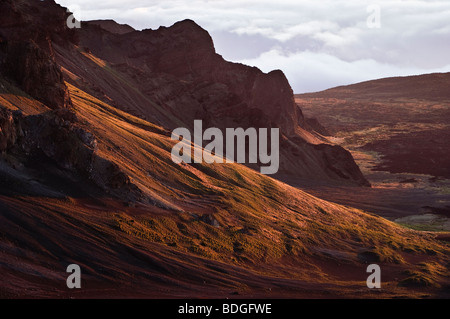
x=312, y=124
x=169, y=76
x=57, y=137
x=8, y=131
x=26, y=49
x=36, y=73
x=112, y=26
x=172, y=76
x=186, y=52
x=340, y=161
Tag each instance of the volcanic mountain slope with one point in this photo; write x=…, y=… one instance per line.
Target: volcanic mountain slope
x=90, y=184
x=194, y=230
x=172, y=76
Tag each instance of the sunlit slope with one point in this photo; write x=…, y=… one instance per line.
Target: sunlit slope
x=201, y=230
x=12, y=98
x=164, y=97
x=228, y=212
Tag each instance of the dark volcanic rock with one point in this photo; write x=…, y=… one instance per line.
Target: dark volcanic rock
x=312, y=124
x=27, y=32
x=186, y=51
x=56, y=137
x=112, y=26
x=36, y=73
x=178, y=70
x=169, y=76
x=8, y=130
x=369, y=257
x=340, y=161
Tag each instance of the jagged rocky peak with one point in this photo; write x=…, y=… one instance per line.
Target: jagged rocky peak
x=36, y=20
x=179, y=69
x=185, y=50
x=169, y=76
x=112, y=26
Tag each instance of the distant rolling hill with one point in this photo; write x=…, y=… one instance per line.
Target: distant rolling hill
x=433, y=87
x=405, y=119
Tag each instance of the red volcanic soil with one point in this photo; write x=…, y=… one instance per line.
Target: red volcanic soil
x=406, y=120
x=423, y=152
x=430, y=87
x=172, y=76
x=398, y=130
x=118, y=265
x=186, y=231
x=86, y=177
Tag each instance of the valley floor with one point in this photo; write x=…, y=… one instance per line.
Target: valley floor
x=401, y=146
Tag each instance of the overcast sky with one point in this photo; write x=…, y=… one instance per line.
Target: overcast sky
x=318, y=44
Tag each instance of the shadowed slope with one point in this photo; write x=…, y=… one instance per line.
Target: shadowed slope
x=172, y=76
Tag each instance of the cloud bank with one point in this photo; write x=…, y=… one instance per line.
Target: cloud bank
x=317, y=44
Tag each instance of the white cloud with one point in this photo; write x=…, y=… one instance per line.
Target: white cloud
x=310, y=71
x=329, y=34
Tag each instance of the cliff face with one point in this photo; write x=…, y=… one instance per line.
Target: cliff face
x=186, y=52
x=7, y=130
x=56, y=138
x=171, y=76
x=29, y=31
x=96, y=186
x=35, y=72
x=26, y=48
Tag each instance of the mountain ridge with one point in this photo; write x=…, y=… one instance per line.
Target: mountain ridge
x=417, y=86
x=201, y=85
